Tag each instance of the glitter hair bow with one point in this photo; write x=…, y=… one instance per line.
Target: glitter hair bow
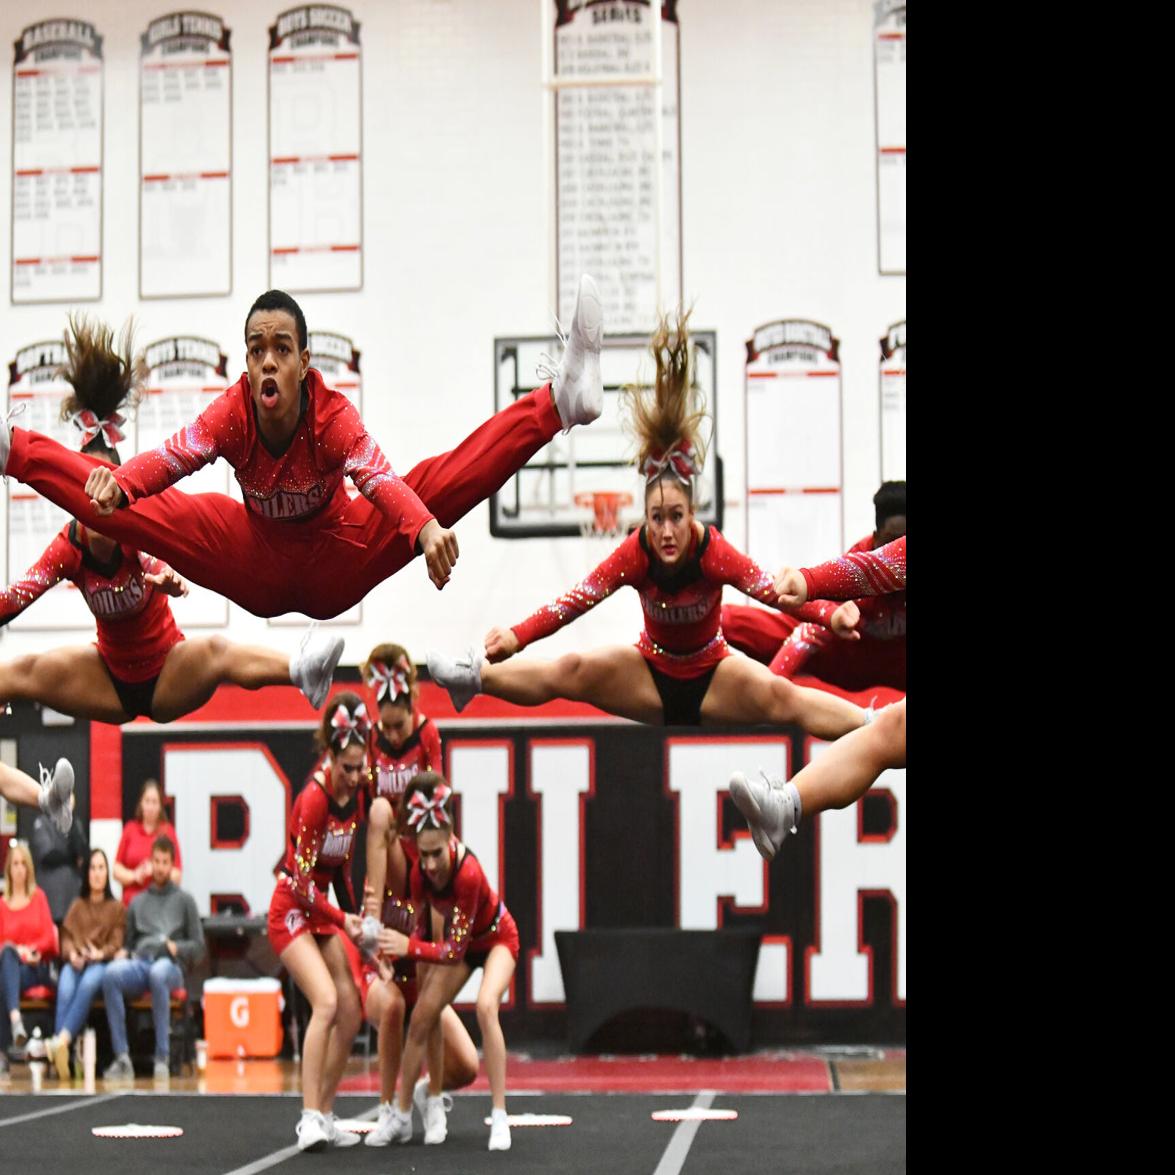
x=389, y=682
x=679, y=461
x=345, y=726
x=88, y=423
x=422, y=809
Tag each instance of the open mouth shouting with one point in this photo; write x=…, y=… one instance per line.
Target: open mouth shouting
x=269, y=393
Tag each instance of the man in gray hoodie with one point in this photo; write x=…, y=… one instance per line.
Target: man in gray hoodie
x=163, y=935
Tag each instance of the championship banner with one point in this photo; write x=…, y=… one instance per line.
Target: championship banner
x=893, y=403
x=337, y=360
x=605, y=152
x=889, y=71
x=185, y=157
x=57, y=163
x=37, y=389
x=315, y=148
x=795, y=482
x=185, y=375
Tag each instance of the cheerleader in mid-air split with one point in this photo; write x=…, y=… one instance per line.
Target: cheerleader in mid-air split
x=681, y=670
x=141, y=662
x=292, y=440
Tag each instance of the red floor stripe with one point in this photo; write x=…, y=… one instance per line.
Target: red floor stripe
x=755, y=1074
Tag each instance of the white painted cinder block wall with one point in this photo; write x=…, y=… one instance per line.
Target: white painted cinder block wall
x=779, y=214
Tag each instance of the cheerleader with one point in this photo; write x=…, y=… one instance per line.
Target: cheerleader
x=681, y=670
x=303, y=924
x=141, y=663
x=292, y=440
x=451, y=895
x=848, y=769
x=403, y=742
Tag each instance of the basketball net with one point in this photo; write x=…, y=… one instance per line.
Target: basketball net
x=604, y=521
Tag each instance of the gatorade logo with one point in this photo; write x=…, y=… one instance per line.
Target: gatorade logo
x=238, y=1011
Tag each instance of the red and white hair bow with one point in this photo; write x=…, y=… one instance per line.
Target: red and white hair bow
x=679, y=461
x=421, y=808
x=345, y=726
x=391, y=681
x=90, y=425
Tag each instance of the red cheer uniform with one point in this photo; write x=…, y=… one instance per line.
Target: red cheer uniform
x=682, y=636
x=282, y=552
x=393, y=768
x=801, y=641
x=322, y=841
x=475, y=918
x=136, y=629
x=859, y=573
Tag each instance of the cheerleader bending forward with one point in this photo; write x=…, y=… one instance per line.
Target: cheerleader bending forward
x=681, y=670
x=451, y=895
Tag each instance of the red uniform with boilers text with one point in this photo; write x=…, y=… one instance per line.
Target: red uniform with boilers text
x=301, y=544
x=475, y=919
x=797, y=642
x=682, y=636
x=393, y=768
x=136, y=629
x=859, y=573
x=322, y=840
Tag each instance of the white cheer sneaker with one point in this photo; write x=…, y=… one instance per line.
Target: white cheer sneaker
x=393, y=1126
x=461, y=676
x=769, y=807
x=433, y=1113
x=499, y=1131
x=312, y=1133
x=578, y=386
x=56, y=790
x=313, y=666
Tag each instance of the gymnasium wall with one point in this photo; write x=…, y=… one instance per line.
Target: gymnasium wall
x=582, y=821
x=779, y=216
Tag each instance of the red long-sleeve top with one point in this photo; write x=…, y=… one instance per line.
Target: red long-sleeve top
x=883, y=618
x=393, y=768
x=136, y=628
x=682, y=636
x=305, y=480
x=322, y=839
x=469, y=905
x=31, y=926
x=859, y=573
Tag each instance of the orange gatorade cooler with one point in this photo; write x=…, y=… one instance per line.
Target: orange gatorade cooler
x=242, y=1017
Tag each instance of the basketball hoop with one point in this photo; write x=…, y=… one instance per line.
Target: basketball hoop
x=605, y=517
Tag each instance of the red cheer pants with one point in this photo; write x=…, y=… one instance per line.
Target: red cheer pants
x=269, y=566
